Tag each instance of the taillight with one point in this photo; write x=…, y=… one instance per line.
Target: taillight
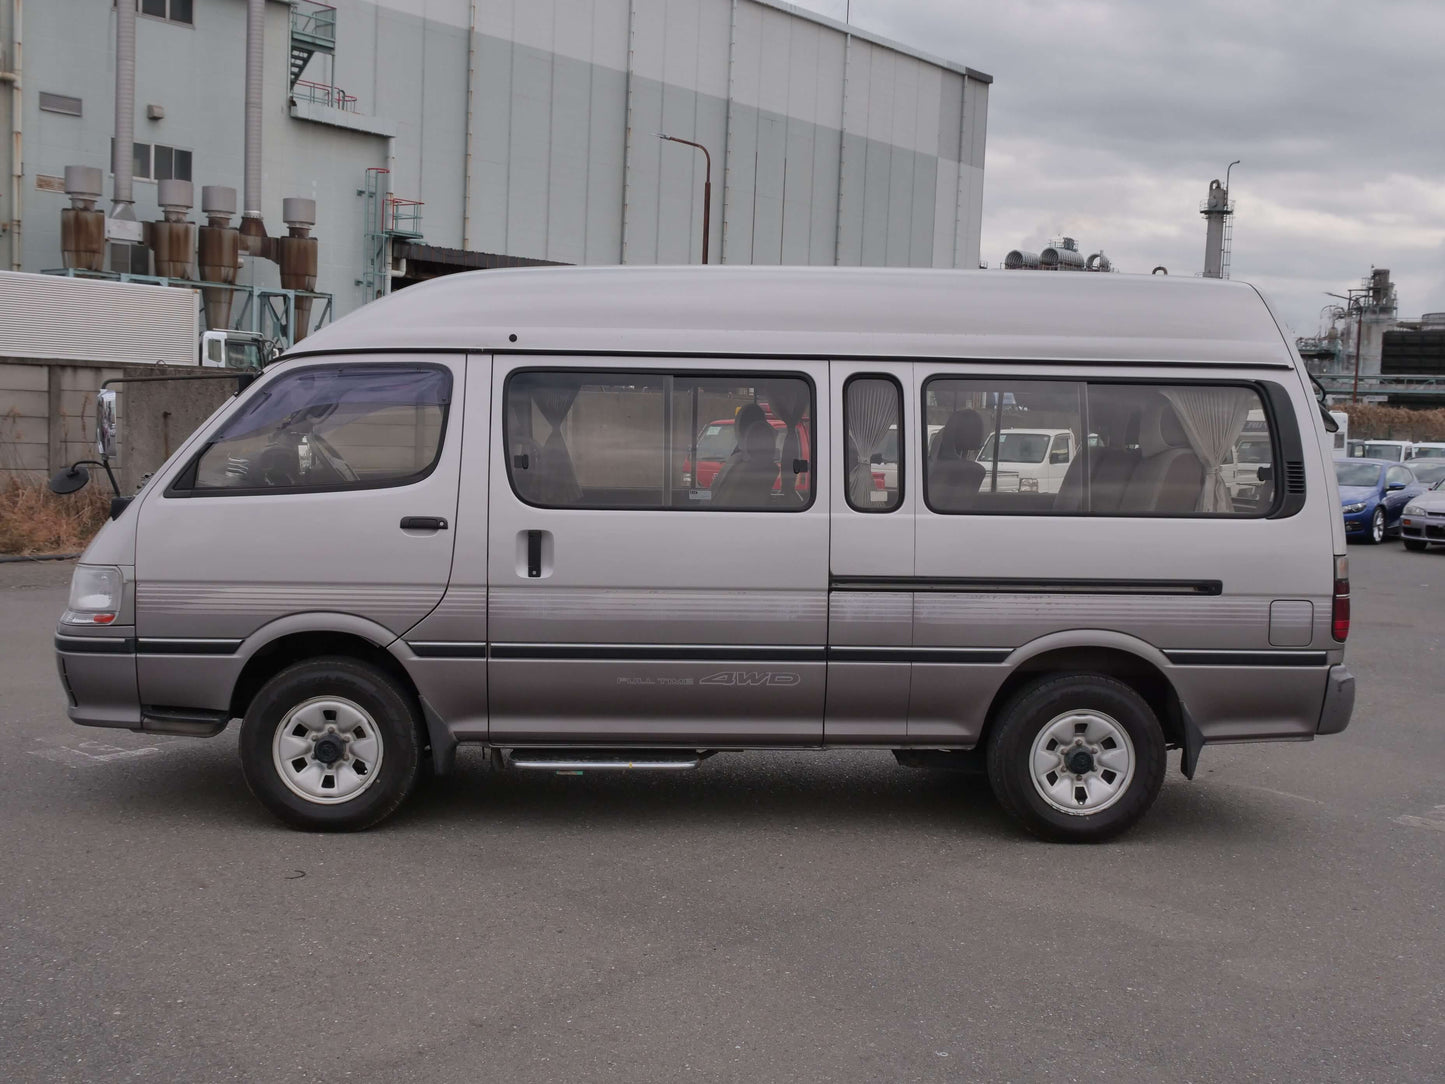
x=1340, y=613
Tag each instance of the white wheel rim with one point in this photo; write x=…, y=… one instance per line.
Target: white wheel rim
x=1081, y=762
x=327, y=750
x=1377, y=526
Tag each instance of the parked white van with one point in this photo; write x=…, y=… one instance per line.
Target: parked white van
x=467, y=514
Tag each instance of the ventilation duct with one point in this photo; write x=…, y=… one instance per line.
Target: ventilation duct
x=124, y=111
x=220, y=253
x=296, y=254
x=82, y=225
x=173, y=238
x=1060, y=258
x=253, y=228
x=1098, y=262
x=1018, y=260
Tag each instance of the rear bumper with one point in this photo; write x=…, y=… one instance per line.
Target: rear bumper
x=1339, y=701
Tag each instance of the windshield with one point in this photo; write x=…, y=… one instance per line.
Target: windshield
x=1254, y=451
x=1430, y=453
x=1016, y=448
x=1357, y=474
x=1381, y=450
x=1428, y=472
x=716, y=441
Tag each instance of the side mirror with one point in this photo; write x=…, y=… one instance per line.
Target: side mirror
x=1264, y=474
x=1392, y=486
x=106, y=428
x=876, y=457
x=68, y=480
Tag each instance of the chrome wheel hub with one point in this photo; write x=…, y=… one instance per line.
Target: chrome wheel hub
x=327, y=750
x=1082, y=762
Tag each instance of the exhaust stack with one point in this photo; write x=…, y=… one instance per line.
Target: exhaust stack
x=82, y=225
x=220, y=252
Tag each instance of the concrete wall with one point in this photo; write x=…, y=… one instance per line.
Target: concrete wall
x=48, y=416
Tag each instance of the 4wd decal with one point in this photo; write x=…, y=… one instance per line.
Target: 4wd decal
x=750, y=677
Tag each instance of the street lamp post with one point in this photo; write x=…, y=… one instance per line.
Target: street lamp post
x=706, y=187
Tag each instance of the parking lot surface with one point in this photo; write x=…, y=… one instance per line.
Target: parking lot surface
x=783, y=916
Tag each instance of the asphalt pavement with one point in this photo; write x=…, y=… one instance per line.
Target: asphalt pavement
x=770, y=917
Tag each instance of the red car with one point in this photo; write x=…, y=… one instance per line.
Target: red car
x=718, y=440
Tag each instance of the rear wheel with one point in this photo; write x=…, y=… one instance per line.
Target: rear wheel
x=1415, y=545
x=1077, y=758
x=331, y=744
x=1376, y=534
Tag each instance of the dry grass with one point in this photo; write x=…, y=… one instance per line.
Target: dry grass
x=34, y=520
x=1372, y=421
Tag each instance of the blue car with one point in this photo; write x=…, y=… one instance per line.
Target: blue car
x=1373, y=495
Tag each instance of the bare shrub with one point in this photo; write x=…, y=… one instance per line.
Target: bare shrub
x=1373, y=421
x=34, y=520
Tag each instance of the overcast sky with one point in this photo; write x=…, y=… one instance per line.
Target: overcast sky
x=1108, y=119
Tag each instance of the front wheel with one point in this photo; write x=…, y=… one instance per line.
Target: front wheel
x=1414, y=545
x=1376, y=533
x=1077, y=758
x=331, y=744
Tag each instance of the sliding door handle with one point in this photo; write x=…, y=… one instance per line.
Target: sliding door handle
x=423, y=523
x=534, y=554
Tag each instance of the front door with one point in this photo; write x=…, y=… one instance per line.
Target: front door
x=332, y=488
x=658, y=552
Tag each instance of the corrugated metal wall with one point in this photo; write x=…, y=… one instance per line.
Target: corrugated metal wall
x=827, y=147
x=44, y=316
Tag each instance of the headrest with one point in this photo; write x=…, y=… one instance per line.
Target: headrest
x=760, y=441
x=1160, y=430
x=746, y=417
x=961, y=434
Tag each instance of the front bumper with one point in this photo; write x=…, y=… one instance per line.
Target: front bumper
x=1427, y=528
x=98, y=675
x=1339, y=701
x=1359, y=522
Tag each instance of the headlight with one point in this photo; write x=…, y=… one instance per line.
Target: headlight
x=1350, y=509
x=1414, y=510
x=1028, y=485
x=95, y=594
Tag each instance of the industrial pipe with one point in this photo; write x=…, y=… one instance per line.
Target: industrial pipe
x=17, y=122
x=252, y=226
x=124, y=110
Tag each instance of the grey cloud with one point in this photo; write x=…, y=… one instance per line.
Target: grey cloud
x=1110, y=117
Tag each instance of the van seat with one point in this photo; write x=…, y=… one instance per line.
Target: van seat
x=1169, y=476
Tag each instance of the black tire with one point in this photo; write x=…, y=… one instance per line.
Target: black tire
x=1376, y=534
x=1024, y=717
x=1414, y=545
x=396, y=723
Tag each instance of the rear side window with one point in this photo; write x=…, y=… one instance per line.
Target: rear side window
x=658, y=440
x=1045, y=447
x=872, y=445
x=347, y=427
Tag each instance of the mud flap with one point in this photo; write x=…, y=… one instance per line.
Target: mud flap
x=1193, y=743
x=440, y=738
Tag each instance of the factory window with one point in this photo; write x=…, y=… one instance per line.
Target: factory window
x=175, y=11
x=60, y=103
x=158, y=162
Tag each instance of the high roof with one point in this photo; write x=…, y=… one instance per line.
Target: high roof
x=821, y=312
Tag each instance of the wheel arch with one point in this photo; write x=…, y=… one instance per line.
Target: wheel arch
x=1136, y=663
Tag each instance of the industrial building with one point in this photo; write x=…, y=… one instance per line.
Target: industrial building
x=455, y=134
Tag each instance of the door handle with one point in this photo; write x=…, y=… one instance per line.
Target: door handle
x=534, y=554
x=423, y=523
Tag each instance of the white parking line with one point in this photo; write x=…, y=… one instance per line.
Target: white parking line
x=1434, y=819
x=91, y=754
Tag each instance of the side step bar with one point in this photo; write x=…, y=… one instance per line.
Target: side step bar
x=574, y=761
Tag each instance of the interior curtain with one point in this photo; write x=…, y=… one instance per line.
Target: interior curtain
x=555, y=480
x=788, y=400
x=1213, y=419
x=871, y=410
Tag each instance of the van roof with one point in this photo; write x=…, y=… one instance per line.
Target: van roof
x=821, y=312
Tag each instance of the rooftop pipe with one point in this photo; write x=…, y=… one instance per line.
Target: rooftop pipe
x=121, y=204
x=253, y=227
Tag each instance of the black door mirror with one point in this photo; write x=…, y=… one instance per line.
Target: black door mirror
x=68, y=479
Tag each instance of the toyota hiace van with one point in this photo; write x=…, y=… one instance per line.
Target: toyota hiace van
x=469, y=513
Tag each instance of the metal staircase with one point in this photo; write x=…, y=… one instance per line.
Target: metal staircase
x=313, y=30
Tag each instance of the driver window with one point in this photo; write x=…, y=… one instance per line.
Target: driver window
x=349, y=427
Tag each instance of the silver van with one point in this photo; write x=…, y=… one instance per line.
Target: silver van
x=613, y=518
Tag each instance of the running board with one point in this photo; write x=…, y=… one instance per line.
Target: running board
x=623, y=760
